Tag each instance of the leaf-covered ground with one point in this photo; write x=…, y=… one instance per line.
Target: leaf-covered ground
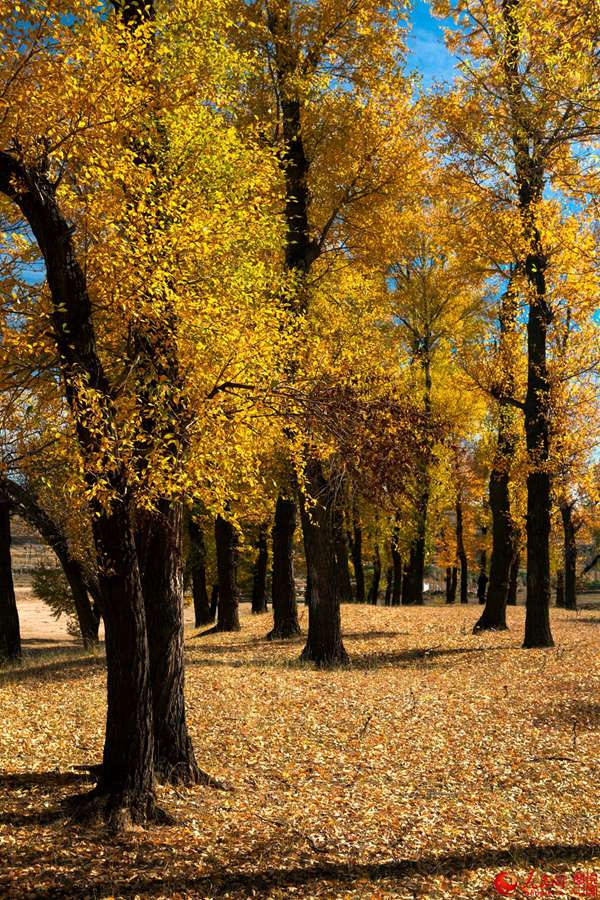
x=437, y=760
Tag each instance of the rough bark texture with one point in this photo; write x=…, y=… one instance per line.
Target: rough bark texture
x=359, y=573
x=324, y=640
x=376, y=578
x=197, y=565
x=259, y=573
x=10, y=634
x=283, y=585
x=570, y=555
x=226, y=540
x=160, y=540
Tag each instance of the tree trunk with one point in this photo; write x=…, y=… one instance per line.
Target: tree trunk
x=570, y=554
x=359, y=574
x=529, y=174
x=283, y=585
x=461, y=553
x=226, y=540
x=214, y=602
x=513, y=582
x=494, y=614
x=24, y=500
x=125, y=790
x=324, y=640
x=343, y=583
x=160, y=539
x=397, y=567
x=259, y=574
x=449, y=598
x=374, y=589
x=389, y=583
x=10, y=634
x=202, y=611
x=560, y=588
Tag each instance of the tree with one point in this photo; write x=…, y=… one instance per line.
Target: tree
x=522, y=106
x=10, y=634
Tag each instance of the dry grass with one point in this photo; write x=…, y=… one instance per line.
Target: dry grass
x=436, y=760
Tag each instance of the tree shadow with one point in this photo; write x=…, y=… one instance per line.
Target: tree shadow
x=60, y=670
x=419, y=654
x=579, y=715
x=43, y=779
x=223, y=881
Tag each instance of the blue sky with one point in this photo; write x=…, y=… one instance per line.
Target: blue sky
x=428, y=55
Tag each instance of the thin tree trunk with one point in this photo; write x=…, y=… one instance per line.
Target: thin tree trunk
x=10, y=633
x=259, y=574
x=461, y=553
x=283, y=584
x=374, y=589
x=160, y=540
x=560, y=588
x=389, y=583
x=324, y=640
x=397, y=567
x=359, y=574
x=226, y=540
x=202, y=611
x=27, y=504
x=513, y=582
x=570, y=555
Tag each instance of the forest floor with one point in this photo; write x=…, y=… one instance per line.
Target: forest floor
x=434, y=762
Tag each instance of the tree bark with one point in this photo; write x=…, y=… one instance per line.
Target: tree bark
x=160, y=541
x=226, y=540
x=570, y=555
x=202, y=610
x=259, y=574
x=324, y=640
x=343, y=583
x=10, y=633
x=283, y=584
x=359, y=574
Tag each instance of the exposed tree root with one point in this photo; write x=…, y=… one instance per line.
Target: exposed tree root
x=119, y=811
